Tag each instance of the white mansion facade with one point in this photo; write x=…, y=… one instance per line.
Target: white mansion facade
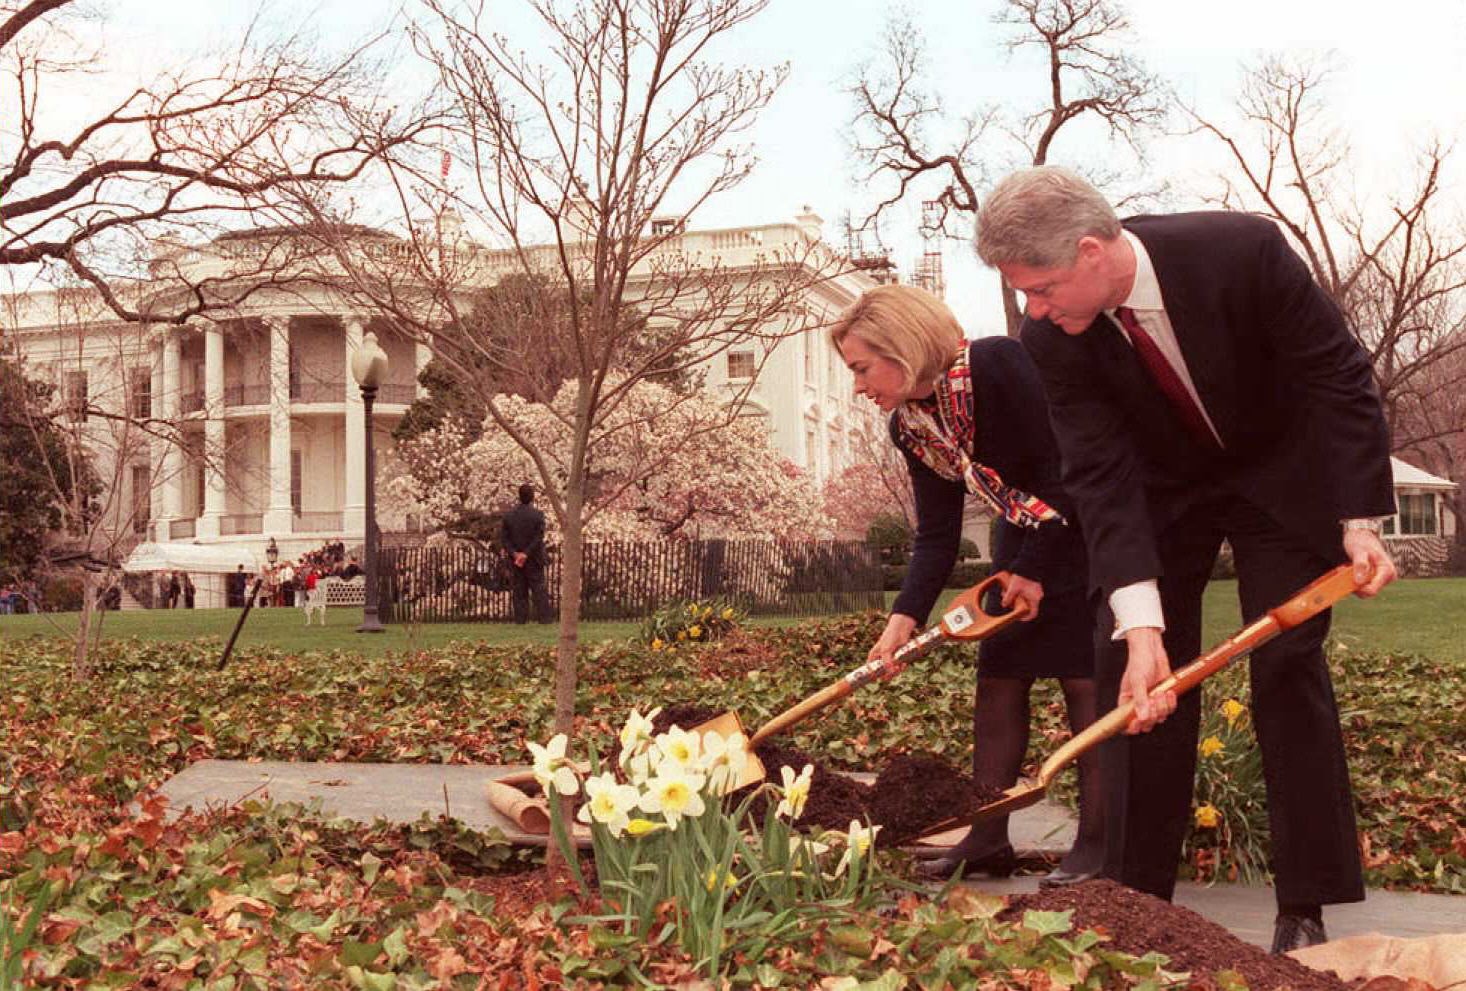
x=256, y=428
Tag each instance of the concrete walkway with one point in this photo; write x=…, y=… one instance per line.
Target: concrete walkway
x=404, y=792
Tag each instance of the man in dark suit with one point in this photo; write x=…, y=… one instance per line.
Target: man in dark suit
x=1204, y=388
x=523, y=537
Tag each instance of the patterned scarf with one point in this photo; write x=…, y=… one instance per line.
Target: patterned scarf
x=941, y=442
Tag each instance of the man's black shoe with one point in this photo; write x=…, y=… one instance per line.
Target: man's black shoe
x=1060, y=878
x=1292, y=932
x=999, y=863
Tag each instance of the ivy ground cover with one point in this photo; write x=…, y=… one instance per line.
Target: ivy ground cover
x=266, y=891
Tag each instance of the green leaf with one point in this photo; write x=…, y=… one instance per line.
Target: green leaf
x=1048, y=923
x=355, y=952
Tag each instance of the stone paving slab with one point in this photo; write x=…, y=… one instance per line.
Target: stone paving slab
x=1247, y=911
x=403, y=792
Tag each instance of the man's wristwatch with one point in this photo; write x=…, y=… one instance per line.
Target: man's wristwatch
x=1372, y=524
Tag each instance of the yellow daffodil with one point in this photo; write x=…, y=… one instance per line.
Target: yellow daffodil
x=609, y=803
x=658, y=644
x=858, y=840
x=710, y=881
x=728, y=612
x=639, y=827
x=552, y=769
x=681, y=635
x=707, y=613
x=694, y=631
x=1207, y=816
x=674, y=793
x=692, y=609
x=1232, y=711
x=796, y=791
x=1211, y=745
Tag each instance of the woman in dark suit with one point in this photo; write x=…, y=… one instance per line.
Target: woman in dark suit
x=970, y=419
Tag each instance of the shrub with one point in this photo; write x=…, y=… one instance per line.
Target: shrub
x=968, y=573
x=890, y=534
x=967, y=550
x=696, y=621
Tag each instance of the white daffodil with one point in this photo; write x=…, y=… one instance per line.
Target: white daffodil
x=796, y=791
x=608, y=802
x=674, y=793
x=680, y=747
x=814, y=848
x=857, y=844
x=725, y=758
x=636, y=734
x=642, y=766
x=552, y=769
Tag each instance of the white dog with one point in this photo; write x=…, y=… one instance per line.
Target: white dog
x=315, y=601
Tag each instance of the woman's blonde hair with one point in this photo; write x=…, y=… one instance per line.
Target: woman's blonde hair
x=906, y=325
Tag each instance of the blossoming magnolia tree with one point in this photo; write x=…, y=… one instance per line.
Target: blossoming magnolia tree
x=661, y=465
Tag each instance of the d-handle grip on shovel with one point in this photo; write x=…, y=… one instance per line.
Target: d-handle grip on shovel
x=963, y=619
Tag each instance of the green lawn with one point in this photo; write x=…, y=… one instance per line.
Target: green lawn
x=1417, y=616
x=1421, y=616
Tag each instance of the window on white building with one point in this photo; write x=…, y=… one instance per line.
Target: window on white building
x=1416, y=517
x=142, y=498
x=74, y=393
x=808, y=342
x=740, y=364
x=140, y=392
x=295, y=482
x=811, y=451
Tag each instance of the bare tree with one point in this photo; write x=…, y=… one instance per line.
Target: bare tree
x=1396, y=269
x=234, y=139
x=1089, y=77
x=582, y=170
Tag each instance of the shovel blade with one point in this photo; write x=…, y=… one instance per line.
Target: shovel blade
x=725, y=725
x=1015, y=798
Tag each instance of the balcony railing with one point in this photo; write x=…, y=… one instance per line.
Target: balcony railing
x=241, y=523
x=246, y=395
x=182, y=529
x=319, y=392
x=318, y=522
x=398, y=393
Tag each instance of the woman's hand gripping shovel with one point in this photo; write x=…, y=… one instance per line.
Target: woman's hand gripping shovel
x=1303, y=606
x=964, y=619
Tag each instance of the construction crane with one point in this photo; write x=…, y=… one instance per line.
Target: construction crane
x=928, y=274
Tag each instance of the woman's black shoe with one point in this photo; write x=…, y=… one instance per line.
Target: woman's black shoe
x=999, y=863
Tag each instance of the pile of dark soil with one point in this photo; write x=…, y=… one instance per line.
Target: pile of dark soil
x=1139, y=923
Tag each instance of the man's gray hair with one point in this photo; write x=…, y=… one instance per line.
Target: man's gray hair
x=1036, y=217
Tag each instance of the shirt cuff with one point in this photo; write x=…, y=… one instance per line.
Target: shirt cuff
x=1136, y=605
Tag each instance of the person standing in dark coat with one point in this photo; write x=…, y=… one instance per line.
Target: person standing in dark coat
x=969, y=416
x=523, y=538
x=1204, y=388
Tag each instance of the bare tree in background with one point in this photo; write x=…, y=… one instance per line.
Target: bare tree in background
x=110, y=185
x=581, y=171
x=232, y=140
x=902, y=134
x=1396, y=268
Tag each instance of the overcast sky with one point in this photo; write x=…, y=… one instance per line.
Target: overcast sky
x=1401, y=80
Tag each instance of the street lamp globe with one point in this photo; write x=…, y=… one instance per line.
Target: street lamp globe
x=369, y=363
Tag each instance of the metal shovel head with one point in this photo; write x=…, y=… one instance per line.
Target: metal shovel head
x=1015, y=798
x=724, y=725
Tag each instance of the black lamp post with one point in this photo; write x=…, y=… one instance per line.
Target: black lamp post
x=369, y=368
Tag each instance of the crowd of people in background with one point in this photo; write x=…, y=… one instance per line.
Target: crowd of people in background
x=287, y=583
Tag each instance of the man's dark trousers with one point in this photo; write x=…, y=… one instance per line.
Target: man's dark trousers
x=1293, y=713
x=524, y=582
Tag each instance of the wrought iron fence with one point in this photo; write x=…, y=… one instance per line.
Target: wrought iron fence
x=630, y=580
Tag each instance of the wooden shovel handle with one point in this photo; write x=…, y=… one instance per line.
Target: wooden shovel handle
x=963, y=619
x=1303, y=606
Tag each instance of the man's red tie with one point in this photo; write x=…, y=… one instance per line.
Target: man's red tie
x=1167, y=380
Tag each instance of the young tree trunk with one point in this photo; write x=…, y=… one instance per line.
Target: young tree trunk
x=81, y=663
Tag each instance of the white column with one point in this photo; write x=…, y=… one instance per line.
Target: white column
x=279, y=515
x=208, y=524
x=421, y=355
x=171, y=465
x=353, y=511
x=157, y=446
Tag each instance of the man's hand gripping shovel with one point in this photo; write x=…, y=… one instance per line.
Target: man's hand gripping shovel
x=964, y=619
x=1303, y=606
